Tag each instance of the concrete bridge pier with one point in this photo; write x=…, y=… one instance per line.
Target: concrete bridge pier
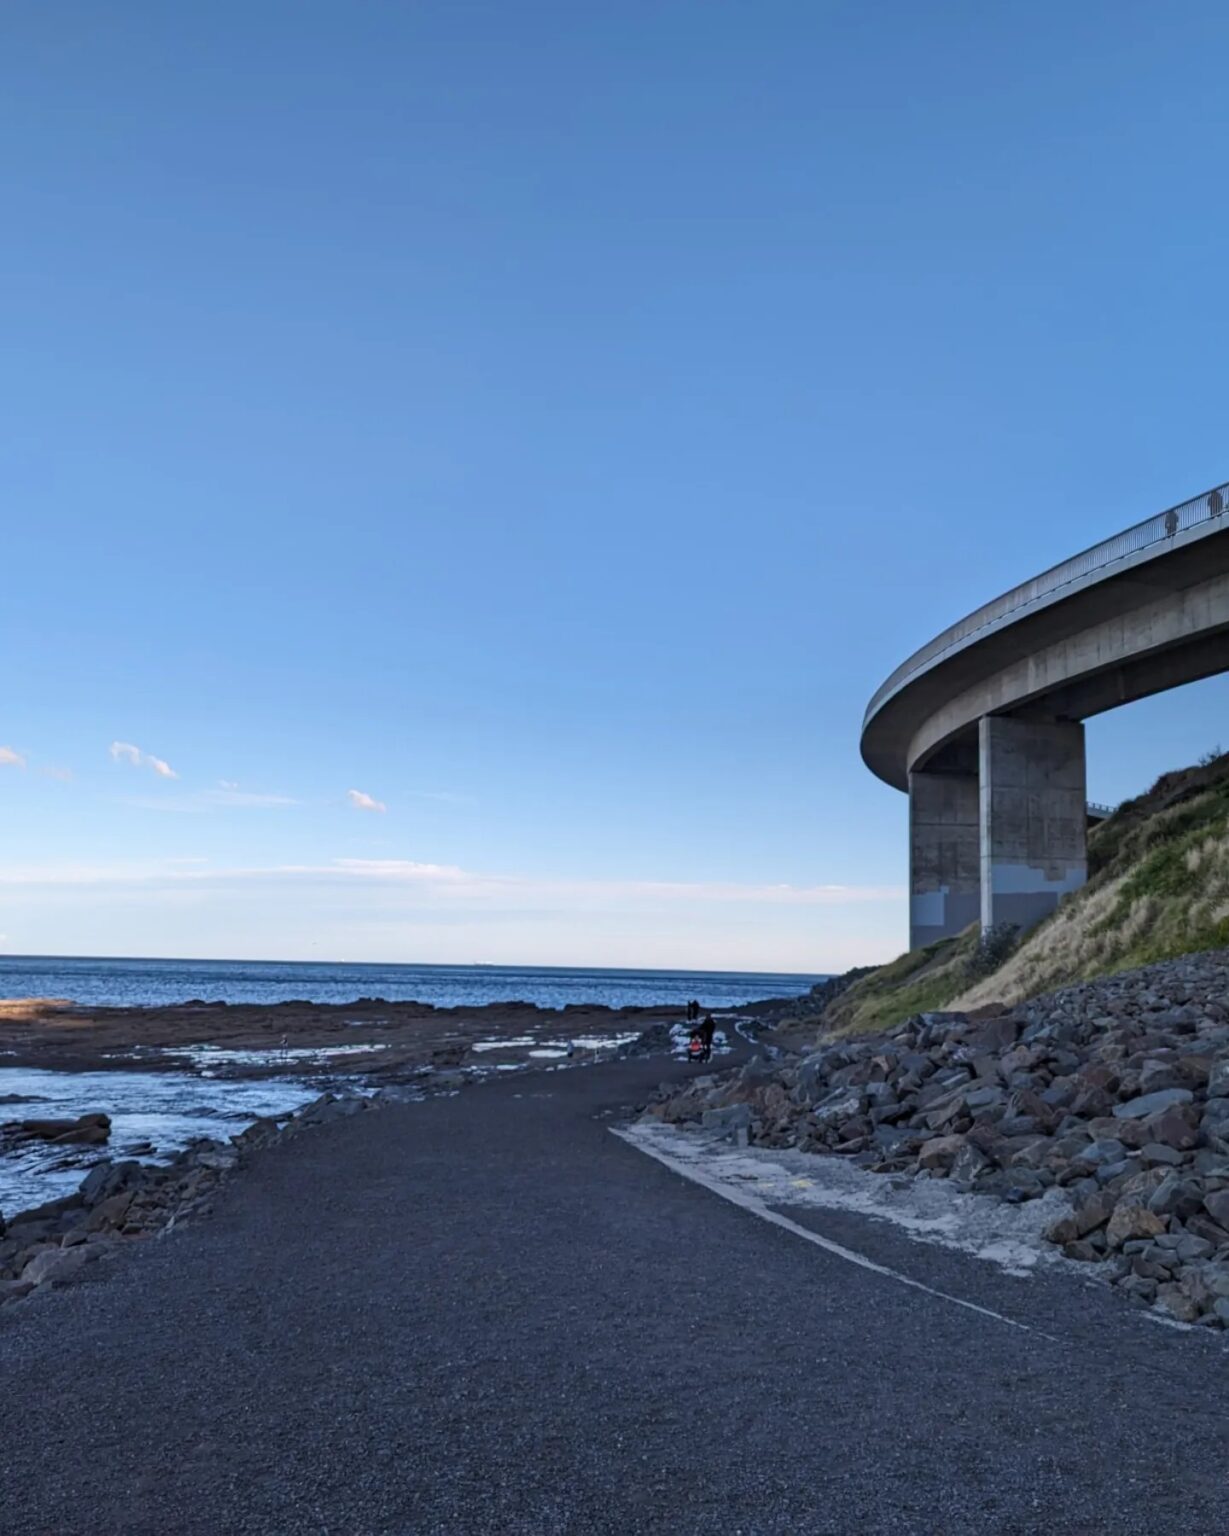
x=1032, y=817
x=999, y=835
x=944, y=855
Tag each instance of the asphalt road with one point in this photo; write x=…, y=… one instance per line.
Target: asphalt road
x=488, y=1314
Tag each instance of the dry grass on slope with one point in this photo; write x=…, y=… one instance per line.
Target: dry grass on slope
x=1158, y=887
x=920, y=981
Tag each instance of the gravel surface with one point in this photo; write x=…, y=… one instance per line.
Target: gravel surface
x=487, y=1314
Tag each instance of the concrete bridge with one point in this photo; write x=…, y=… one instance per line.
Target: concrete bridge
x=983, y=726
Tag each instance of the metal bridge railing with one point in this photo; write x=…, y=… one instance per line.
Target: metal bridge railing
x=1157, y=530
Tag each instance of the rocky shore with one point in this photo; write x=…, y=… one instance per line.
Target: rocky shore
x=119, y=1202
x=254, y=1040
x=1116, y=1092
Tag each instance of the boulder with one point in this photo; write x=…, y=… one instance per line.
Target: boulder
x=1083, y=1218
x=1218, y=1079
x=1173, y=1299
x=1096, y=1152
x=1156, y=1074
x=86, y=1130
x=844, y=1104
x=1175, y=1197
x=1202, y=1225
x=110, y=1212
x=938, y=1154
x=1132, y=1219
x=1152, y=1103
x=970, y=1161
x=1217, y=1206
x=52, y=1266
x=1174, y=1127
x=1140, y=1290
x=734, y=1122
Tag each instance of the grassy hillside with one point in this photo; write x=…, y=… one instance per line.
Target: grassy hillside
x=918, y=982
x=1158, y=887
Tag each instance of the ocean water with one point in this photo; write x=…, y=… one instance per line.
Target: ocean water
x=167, y=1109
x=112, y=983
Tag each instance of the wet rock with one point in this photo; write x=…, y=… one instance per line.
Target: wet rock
x=86, y=1130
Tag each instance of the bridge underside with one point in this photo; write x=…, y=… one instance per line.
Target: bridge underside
x=988, y=736
x=997, y=834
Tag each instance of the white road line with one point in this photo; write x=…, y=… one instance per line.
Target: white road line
x=749, y=1202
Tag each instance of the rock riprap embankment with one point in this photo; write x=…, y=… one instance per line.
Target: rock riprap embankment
x=1117, y=1091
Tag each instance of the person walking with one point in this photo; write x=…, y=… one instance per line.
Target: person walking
x=707, y=1030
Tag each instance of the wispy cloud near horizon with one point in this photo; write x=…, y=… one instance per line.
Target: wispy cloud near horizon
x=450, y=880
x=125, y=752
x=407, y=910
x=11, y=759
x=361, y=801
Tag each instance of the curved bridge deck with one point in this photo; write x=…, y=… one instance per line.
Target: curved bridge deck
x=983, y=725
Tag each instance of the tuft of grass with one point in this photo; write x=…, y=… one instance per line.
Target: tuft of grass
x=920, y=981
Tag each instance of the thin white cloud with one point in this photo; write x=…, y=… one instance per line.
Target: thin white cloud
x=227, y=784
x=231, y=794
x=64, y=775
x=364, y=802
x=448, y=883
x=406, y=871
x=11, y=759
x=200, y=802
x=125, y=752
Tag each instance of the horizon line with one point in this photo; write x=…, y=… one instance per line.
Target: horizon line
x=440, y=965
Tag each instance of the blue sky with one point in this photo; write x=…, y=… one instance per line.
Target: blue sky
x=552, y=422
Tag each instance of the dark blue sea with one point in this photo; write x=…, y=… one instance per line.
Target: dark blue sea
x=111, y=983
